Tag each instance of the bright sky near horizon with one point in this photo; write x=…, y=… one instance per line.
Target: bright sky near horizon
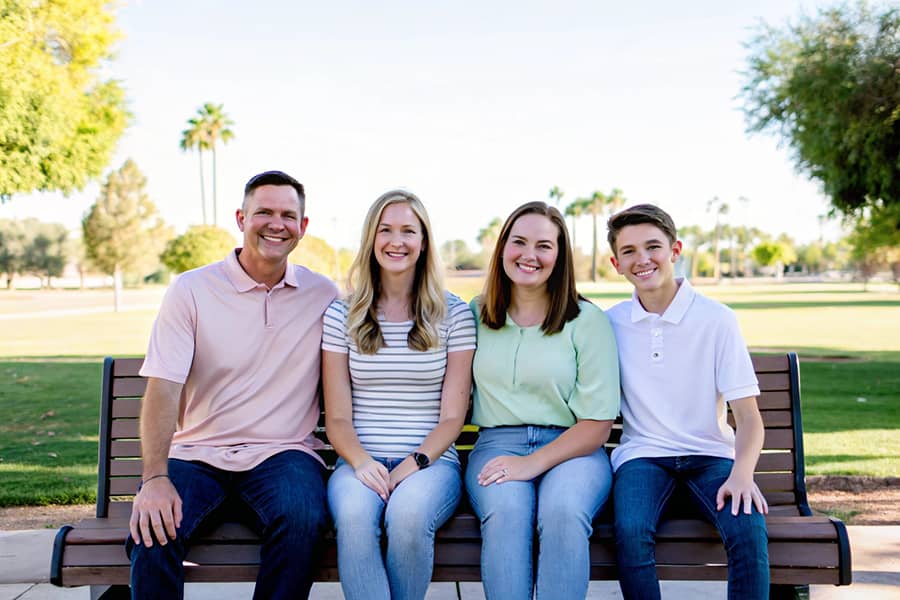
x=475, y=106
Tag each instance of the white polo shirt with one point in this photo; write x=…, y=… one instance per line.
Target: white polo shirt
x=677, y=371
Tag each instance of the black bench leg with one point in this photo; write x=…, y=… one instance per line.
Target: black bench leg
x=110, y=592
x=788, y=592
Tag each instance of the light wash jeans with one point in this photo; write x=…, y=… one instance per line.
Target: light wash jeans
x=642, y=491
x=415, y=510
x=562, y=503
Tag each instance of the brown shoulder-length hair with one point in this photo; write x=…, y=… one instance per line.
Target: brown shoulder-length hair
x=564, y=298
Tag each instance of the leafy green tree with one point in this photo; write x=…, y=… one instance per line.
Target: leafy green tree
x=811, y=257
x=318, y=255
x=47, y=250
x=198, y=246
x=121, y=231
x=59, y=119
x=774, y=253
x=828, y=86
x=13, y=241
x=875, y=240
x=457, y=255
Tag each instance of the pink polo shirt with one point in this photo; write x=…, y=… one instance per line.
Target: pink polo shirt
x=248, y=358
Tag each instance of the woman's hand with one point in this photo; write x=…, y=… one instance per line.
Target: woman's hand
x=375, y=476
x=406, y=468
x=508, y=468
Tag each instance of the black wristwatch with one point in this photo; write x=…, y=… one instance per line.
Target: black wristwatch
x=421, y=459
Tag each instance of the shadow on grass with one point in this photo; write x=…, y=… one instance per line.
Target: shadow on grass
x=762, y=305
x=821, y=459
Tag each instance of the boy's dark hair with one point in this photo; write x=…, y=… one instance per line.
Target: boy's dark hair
x=275, y=178
x=636, y=215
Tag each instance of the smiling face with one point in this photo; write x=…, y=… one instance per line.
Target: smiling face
x=399, y=239
x=646, y=257
x=272, y=225
x=531, y=250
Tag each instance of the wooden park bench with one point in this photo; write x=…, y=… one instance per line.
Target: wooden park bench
x=803, y=549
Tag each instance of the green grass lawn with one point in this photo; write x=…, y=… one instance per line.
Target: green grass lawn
x=48, y=434
x=851, y=409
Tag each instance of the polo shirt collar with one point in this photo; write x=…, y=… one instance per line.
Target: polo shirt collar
x=676, y=310
x=242, y=282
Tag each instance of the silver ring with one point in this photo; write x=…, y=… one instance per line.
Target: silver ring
x=504, y=472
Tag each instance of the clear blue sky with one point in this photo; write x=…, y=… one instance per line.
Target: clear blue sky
x=475, y=106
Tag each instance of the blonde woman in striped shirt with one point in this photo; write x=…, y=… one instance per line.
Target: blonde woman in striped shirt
x=397, y=359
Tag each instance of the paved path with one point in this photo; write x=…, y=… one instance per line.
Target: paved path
x=25, y=559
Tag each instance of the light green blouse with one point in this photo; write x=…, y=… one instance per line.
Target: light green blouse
x=523, y=377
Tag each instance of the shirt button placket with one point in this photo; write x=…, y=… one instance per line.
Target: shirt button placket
x=656, y=344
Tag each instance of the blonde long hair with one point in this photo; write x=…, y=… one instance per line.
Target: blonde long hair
x=429, y=304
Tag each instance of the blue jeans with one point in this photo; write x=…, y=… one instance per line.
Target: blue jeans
x=561, y=503
x=415, y=510
x=282, y=499
x=643, y=488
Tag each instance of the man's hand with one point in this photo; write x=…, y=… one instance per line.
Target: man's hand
x=508, y=468
x=375, y=476
x=157, y=506
x=742, y=493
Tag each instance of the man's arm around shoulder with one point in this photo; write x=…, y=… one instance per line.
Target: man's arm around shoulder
x=157, y=506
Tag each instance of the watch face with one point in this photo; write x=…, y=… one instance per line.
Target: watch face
x=421, y=459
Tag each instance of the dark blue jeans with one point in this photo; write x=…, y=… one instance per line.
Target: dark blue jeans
x=282, y=499
x=642, y=489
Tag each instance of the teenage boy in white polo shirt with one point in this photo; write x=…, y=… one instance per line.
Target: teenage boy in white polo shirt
x=682, y=357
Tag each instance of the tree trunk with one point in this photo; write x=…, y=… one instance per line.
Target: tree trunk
x=215, y=207
x=202, y=187
x=117, y=288
x=81, y=277
x=594, y=249
x=733, y=259
x=716, y=266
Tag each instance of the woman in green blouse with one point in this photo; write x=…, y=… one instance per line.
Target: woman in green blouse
x=546, y=393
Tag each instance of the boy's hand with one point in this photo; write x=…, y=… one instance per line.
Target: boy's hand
x=742, y=492
x=157, y=507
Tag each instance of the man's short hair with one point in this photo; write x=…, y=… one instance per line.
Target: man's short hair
x=274, y=178
x=637, y=215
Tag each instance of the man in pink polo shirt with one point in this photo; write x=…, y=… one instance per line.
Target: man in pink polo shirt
x=231, y=403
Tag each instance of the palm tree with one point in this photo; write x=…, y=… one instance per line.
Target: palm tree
x=195, y=137
x=595, y=203
x=216, y=127
x=615, y=201
x=721, y=208
x=575, y=210
x=556, y=194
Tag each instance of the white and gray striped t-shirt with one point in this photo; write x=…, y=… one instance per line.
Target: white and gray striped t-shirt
x=397, y=391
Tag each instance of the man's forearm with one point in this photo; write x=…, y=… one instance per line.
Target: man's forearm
x=159, y=416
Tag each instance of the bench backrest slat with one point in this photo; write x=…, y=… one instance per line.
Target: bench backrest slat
x=779, y=473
